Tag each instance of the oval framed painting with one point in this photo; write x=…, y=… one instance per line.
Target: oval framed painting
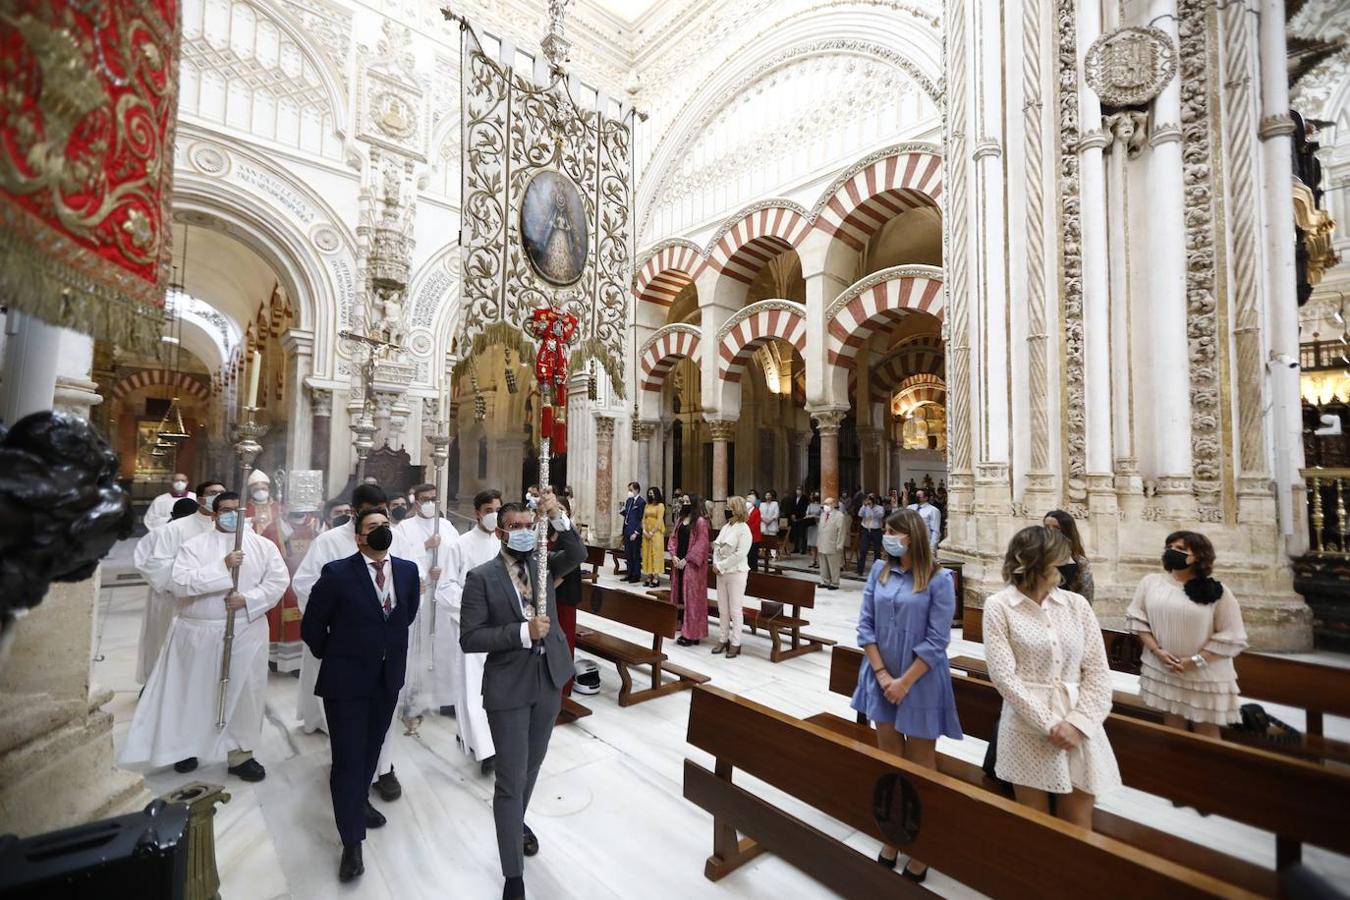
x=553, y=228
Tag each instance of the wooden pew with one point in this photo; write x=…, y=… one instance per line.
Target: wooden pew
x=1296, y=800
x=984, y=840
x=595, y=558
x=1318, y=689
x=645, y=614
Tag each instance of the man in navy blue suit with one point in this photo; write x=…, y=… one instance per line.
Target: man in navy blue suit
x=357, y=624
x=633, y=508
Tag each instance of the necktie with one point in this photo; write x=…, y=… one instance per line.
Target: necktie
x=379, y=582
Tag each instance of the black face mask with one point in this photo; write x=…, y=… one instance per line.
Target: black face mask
x=339, y=521
x=1174, y=560
x=1069, y=572
x=400, y=513
x=380, y=538
x=727, y=513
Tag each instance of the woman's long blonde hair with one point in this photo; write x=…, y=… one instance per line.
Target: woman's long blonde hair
x=737, y=507
x=922, y=565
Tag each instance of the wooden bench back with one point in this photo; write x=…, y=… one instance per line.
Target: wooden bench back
x=644, y=613
x=595, y=556
x=1315, y=687
x=985, y=841
x=1276, y=793
x=781, y=589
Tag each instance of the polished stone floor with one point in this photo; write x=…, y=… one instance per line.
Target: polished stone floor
x=608, y=809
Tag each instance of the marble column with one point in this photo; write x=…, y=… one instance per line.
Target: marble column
x=1276, y=135
x=604, y=480
x=299, y=347
x=801, y=447
x=321, y=427
x=827, y=426
x=32, y=352
x=1125, y=465
x=57, y=765
x=722, y=432
x=647, y=459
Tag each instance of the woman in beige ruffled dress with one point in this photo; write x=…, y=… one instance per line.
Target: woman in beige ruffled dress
x=1191, y=628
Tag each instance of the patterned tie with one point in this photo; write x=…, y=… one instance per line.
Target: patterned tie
x=379, y=582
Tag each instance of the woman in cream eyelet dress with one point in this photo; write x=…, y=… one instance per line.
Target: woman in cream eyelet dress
x=1046, y=657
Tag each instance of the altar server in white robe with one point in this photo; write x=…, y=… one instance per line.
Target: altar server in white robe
x=337, y=543
x=175, y=721
x=158, y=513
x=475, y=547
x=154, y=560
x=417, y=538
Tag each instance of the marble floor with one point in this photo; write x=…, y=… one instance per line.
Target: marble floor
x=608, y=808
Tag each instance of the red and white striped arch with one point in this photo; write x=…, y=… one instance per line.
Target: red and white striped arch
x=767, y=320
x=921, y=354
x=183, y=384
x=917, y=390
x=757, y=236
x=665, y=348
x=878, y=299
x=876, y=192
x=669, y=268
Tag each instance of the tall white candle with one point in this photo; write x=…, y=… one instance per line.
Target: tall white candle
x=253, y=374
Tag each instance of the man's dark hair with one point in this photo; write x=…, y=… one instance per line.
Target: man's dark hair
x=182, y=508
x=201, y=488
x=369, y=495
x=923, y=491
x=362, y=516
x=483, y=498
x=635, y=486
x=226, y=496
x=328, y=506
x=420, y=488
x=507, y=509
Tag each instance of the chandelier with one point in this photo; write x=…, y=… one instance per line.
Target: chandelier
x=171, y=432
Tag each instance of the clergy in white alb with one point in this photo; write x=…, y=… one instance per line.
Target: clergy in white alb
x=175, y=719
x=475, y=547
x=154, y=560
x=415, y=539
x=334, y=544
x=161, y=508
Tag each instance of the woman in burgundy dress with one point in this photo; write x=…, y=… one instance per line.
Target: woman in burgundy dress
x=688, y=546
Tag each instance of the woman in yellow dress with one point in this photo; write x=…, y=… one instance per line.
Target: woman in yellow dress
x=654, y=539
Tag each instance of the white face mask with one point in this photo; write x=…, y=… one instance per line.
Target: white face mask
x=428, y=509
x=488, y=522
x=179, y=486
x=260, y=495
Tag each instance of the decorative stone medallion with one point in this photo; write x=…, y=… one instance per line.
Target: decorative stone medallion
x=209, y=160
x=394, y=115
x=1131, y=65
x=325, y=237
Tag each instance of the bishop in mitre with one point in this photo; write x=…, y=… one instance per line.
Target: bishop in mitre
x=175, y=721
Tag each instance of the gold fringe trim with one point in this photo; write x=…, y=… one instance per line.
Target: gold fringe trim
x=595, y=349
x=60, y=294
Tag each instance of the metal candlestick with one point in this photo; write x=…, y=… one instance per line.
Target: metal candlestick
x=440, y=453
x=246, y=448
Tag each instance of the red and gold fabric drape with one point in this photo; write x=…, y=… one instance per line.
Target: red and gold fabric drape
x=90, y=95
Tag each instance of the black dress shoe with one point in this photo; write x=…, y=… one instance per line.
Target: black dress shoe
x=488, y=765
x=374, y=818
x=185, y=765
x=514, y=889
x=249, y=770
x=351, y=866
x=448, y=711
x=531, y=842
x=888, y=863
x=916, y=878
x=387, y=787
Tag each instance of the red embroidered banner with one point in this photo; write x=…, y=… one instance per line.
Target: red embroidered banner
x=90, y=96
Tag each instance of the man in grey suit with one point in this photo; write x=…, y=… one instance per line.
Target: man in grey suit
x=528, y=664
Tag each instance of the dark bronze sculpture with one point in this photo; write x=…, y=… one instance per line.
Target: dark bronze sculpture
x=61, y=508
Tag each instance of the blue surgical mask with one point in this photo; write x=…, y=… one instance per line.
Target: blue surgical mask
x=893, y=544
x=210, y=501
x=521, y=540
x=229, y=520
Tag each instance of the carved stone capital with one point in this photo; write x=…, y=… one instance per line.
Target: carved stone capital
x=604, y=429
x=320, y=400
x=1166, y=133
x=76, y=396
x=828, y=420
x=1277, y=125
x=986, y=146
x=645, y=431
x=721, y=430
x=1097, y=139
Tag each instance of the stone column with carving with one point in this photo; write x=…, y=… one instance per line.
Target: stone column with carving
x=605, y=531
x=827, y=426
x=321, y=426
x=56, y=756
x=648, y=461
x=722, y=433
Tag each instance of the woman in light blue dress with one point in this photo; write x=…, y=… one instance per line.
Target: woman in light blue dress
x=905, y=684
